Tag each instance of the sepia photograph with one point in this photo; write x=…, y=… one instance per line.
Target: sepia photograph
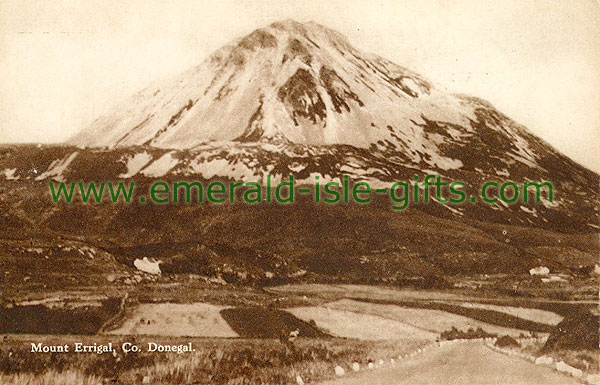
x=299, y=192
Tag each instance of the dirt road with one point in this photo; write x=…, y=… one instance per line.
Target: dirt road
x=459, y=363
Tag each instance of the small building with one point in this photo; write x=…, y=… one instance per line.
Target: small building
x=147, y=266
x=540, y=270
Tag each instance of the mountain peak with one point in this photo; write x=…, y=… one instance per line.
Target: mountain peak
x=300, y=81
x=289, y=25
x=281, y=32
x=294, y=26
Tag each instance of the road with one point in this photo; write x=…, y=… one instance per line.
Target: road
x=458, y=363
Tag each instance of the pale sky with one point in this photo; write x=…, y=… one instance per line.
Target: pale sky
x=62, y=63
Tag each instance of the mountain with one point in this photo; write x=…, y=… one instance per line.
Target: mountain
x=304, y=84
x=293, y=98
x=298, y=98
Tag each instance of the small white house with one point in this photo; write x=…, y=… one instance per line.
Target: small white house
x=540, y=270
x=147, y=266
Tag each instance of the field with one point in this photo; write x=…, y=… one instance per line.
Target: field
x=426, y=320
x=193, y=320
x=535, y=315
x=350, y=324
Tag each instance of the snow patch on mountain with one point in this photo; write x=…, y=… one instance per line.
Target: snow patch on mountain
x=161, y=166
x=57, y=167
x=135, y=163
x=214, y=167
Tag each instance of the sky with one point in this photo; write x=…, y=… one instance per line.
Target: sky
x=63, y=63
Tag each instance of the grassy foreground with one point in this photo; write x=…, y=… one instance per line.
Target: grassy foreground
x=216, y=361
